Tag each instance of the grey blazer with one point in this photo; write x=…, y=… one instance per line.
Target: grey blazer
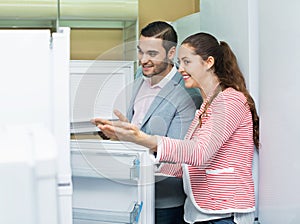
x=172, y=110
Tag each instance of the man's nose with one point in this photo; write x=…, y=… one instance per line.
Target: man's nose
x=144, y=58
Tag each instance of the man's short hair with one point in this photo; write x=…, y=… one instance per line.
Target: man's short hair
x=161, y=30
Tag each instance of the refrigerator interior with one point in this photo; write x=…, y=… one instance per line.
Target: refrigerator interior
x=113, y=182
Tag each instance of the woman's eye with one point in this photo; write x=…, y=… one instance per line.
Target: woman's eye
x=186, y=62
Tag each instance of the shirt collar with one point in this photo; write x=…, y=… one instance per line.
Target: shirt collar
x=164, y=81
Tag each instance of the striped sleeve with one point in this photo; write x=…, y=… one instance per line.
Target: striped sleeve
x=223, y=118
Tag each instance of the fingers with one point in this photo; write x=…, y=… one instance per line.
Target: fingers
x=108, y=125
x=120, y=116
x=97, y=121
x=124, y=133
x=103, y=136
x=116, y=129
x=108, y=131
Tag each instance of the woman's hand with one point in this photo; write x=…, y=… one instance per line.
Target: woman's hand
x=125, y=131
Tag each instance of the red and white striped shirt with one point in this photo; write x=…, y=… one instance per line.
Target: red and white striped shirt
x=217, y=157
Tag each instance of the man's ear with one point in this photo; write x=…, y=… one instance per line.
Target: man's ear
x=172, y=53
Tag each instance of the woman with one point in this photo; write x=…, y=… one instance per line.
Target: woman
x=216, y=154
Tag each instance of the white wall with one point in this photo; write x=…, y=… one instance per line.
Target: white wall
x=235, y=22
x=183, y=26
x=279, y=78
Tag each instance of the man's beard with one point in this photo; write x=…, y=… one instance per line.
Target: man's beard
x=158, y=68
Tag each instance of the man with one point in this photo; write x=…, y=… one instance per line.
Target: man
x=161, y=105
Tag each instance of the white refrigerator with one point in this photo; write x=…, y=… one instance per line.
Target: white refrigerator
x=34, y=99
x=113, y=181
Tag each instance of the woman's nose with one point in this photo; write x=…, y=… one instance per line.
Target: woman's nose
x=179, y=67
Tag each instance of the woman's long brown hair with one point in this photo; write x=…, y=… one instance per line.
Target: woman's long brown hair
x=226, y=68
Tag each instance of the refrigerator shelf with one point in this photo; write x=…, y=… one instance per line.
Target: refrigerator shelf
x=131, y=216
x=82, y=127
x=105, y=163
x=78, y=144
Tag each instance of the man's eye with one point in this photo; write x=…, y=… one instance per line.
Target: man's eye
x=152, y=54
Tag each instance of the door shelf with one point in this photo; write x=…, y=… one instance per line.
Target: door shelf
x=131, y=216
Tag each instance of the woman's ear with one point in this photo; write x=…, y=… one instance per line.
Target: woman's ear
x=210, y=61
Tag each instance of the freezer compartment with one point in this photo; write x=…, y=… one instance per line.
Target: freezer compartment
x=104, y=200
x=105, y=163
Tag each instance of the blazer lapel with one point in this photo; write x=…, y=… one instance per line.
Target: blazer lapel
x=164, y=92
x=135, y=90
